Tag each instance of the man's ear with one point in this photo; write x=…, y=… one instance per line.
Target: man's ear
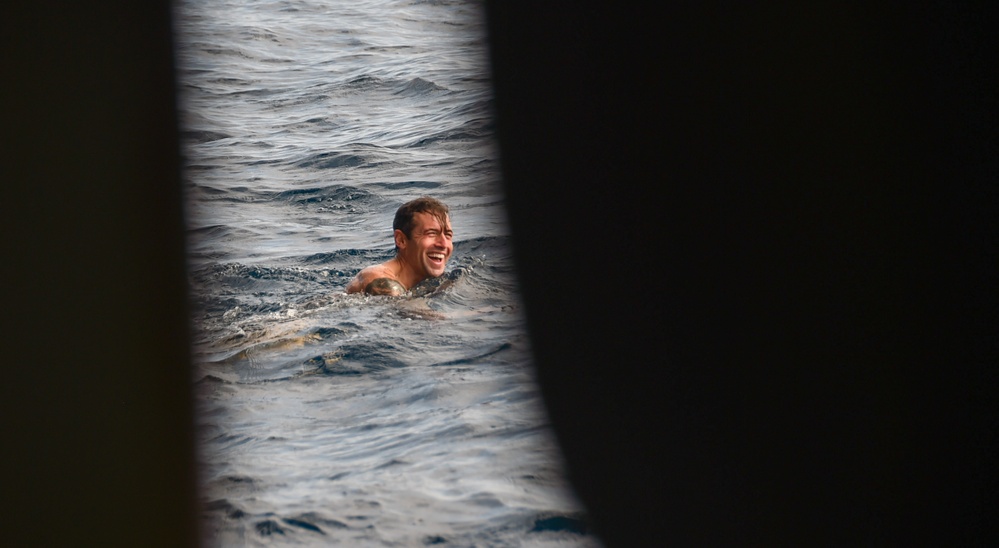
x=400, y=239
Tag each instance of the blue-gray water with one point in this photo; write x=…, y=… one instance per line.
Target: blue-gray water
x=328, y=419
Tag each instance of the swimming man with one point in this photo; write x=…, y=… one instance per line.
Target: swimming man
x=422, y=232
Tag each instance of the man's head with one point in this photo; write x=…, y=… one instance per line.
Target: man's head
x=422, y=229
x=405, y=215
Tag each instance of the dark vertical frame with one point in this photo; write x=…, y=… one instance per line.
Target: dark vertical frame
x=757, y=248
x=97, y=420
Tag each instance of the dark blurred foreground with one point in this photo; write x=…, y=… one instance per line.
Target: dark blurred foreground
x=757, y=245
x=758, y=248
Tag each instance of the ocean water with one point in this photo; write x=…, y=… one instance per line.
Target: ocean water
x=328, y=419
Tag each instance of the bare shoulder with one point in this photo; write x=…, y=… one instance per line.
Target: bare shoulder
x=385, y=286
x=368, y=275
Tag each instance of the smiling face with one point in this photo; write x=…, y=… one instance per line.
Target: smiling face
x=426, y=250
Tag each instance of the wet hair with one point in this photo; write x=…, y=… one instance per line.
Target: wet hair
x=404, y=215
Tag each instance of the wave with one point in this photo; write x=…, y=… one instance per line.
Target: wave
x=220, y=231
x=471, y=132
x=418, y=87
x=353, y=256
x=203, y=136
x=360, y=84
x=359, y=358
x=337, y=194
x=469, y=360
x=240, y=274
x=350, y=156
x=409, y=185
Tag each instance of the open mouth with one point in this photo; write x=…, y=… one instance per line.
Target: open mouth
x=436, y=257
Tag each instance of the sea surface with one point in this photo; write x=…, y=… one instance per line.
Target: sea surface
x=327, y=419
